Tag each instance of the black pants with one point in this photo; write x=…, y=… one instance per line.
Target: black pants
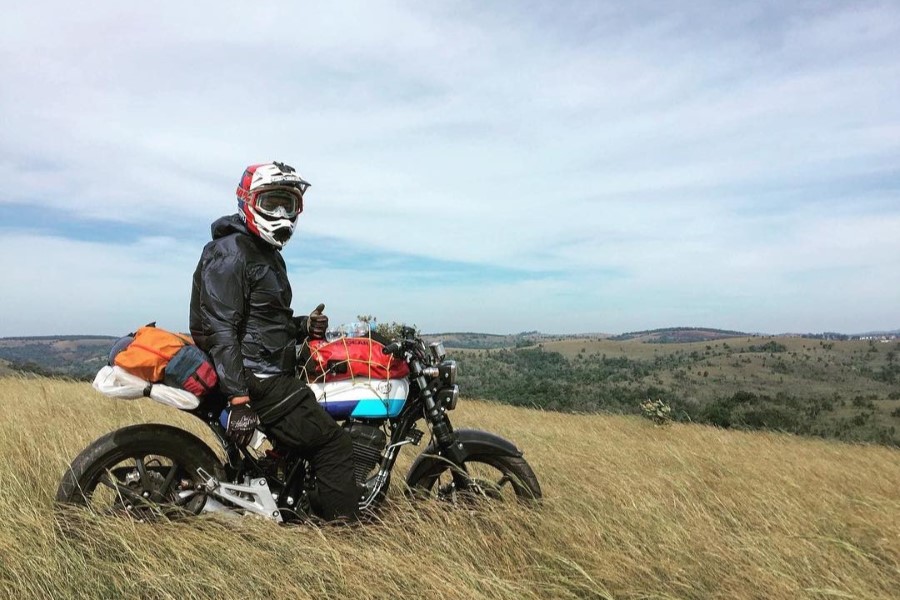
x=288, y=410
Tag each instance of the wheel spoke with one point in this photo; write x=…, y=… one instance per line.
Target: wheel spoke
x=142, y=469
x=119, y=489
x=138, y=474
x=105, y=481
x=477, y=480
x=460, y=475
x=167, y=483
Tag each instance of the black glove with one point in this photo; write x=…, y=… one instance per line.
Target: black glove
x=317, y=323
x=240, y=422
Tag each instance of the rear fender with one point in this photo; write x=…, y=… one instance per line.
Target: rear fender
x=471, y=442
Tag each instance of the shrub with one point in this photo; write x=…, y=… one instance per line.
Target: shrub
x=657, y=411
x=861, y=402
x=717, y=413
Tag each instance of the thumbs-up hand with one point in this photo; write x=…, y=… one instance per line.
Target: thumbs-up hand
x=317, y=324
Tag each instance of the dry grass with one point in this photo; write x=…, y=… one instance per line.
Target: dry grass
x=631, y=511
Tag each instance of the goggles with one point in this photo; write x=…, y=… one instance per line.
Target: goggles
x=281, y=203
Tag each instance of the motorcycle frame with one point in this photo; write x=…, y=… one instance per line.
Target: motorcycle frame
x=420, y=404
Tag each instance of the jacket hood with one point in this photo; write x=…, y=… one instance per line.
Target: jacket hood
x=227, y=225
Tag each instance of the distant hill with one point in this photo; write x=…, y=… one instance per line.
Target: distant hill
x=78, y=357
x=849, y=389
x=892, y=333
x=489, y=341
x=679, y=335
x=473, y=340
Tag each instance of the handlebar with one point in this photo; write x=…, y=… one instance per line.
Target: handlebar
x=394, y=348
x=408, y=344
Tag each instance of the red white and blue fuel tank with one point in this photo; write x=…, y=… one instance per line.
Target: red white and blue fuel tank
x=361, y=398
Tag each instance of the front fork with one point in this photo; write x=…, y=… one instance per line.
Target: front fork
x=447, y=440
x=448, y=443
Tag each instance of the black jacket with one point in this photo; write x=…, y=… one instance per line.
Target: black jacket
x=241, y=307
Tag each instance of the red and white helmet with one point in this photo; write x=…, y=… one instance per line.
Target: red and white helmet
x=270, y=198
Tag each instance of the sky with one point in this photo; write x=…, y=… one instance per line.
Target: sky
x=476, y=166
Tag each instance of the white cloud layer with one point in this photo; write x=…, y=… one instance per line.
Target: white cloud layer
x=631, y=165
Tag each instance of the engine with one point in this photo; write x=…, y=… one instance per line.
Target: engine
x=368, y=443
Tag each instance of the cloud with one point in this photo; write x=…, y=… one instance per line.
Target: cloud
x=57, y=285
x=616, y=164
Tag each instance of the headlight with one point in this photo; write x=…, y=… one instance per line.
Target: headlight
x=448, y=397
x=437, y=351
x=447, y=372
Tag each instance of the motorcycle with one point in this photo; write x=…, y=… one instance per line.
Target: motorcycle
x=153, y=469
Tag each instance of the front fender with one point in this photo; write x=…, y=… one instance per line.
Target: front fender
x=472, y=441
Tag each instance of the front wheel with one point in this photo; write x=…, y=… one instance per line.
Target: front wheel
x=493, y=477
x=143, y=471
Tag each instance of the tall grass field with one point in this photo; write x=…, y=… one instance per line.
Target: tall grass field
x=631, y=510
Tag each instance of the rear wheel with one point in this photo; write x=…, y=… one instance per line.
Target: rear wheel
x=481, y=477
x=144, y=471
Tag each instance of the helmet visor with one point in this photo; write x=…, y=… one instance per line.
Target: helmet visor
x=280, y=203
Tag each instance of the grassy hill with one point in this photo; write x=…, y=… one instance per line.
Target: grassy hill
x=631, y=511
x=846, y=389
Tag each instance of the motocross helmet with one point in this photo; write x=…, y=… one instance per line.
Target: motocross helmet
x=270, y=198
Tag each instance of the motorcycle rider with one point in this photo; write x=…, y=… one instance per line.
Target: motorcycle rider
x=241, y=316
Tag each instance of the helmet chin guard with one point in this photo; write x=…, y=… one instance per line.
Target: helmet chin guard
x=276, y=232
x=281, y=189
